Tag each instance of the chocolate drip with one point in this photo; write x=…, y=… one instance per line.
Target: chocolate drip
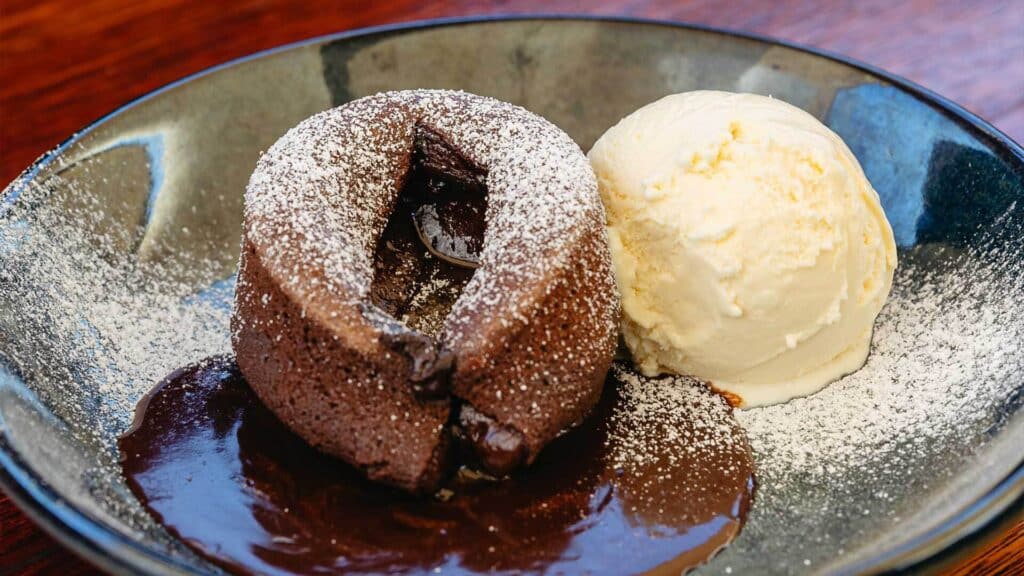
x=431, y=373
x=499, y=449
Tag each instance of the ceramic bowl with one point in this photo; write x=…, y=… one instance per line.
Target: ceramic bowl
x=118, y=252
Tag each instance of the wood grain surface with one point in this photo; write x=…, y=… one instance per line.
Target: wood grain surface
x=64, y=63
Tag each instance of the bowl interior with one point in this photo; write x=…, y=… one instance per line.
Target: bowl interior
x=117, y=256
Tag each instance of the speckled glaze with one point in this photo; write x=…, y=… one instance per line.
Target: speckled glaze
x=165, y=176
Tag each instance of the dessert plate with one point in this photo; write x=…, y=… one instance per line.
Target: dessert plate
x=118, y=252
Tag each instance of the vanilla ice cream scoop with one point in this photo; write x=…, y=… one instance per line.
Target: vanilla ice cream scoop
x=749, y=248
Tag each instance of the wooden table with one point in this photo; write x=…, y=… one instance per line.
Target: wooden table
x=64, y=63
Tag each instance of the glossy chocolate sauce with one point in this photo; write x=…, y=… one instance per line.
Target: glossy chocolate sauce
x=211, y=463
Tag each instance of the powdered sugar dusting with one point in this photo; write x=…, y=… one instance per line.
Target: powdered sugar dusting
x=943, y=347
x=91, y=326
x=677, y=411
x=89, y=315
x=680, y=454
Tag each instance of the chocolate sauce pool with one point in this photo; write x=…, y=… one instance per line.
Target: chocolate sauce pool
x=226, y=477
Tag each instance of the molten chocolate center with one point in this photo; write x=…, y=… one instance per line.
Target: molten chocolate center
x=443, y=202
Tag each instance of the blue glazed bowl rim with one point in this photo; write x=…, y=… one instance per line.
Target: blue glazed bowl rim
x=118, y=553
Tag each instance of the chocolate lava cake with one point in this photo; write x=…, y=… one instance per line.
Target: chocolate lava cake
x=372, y=345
